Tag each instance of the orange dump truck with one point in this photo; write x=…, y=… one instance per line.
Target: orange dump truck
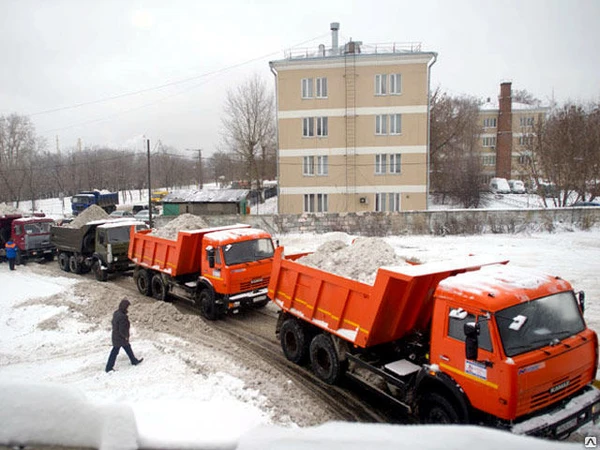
x=219, y=269
x=468, y=341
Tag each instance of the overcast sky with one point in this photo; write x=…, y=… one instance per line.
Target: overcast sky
x=170, y=63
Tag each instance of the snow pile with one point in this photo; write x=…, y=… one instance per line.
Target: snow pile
x=91, y=213
x=183, y=222
x=358, y=261
x=8, y=209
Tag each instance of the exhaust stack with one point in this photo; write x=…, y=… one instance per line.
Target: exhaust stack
x=335, y=26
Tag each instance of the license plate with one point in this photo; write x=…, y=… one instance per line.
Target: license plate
x=566, y=426
x=259, y=298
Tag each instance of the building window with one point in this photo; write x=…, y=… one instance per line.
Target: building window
x=387, y=202
x=488, y=160
x=395, y=162
x=490, y=122
x=381, y=84
x=395, y=84
x=322, y=87
x=322, y=126
x=526, y=121
x=489, y=141
x=315, y=203
x=380, y=161
x=395, y=124
x=308, y=127
x=322, y=165
x=524, y=160
x=307, y=88
x=308, y=166
x=381, y=124
x=526, y=140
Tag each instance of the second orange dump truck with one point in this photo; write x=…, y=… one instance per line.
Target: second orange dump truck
x=219, y=269
x=472, y=341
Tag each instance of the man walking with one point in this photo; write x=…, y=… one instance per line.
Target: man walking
x=11, y=253
x=120, y=336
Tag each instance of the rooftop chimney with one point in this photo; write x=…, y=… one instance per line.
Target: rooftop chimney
x=504, y=134
x=335, y=26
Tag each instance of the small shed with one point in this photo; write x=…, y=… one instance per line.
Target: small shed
x=205, y=202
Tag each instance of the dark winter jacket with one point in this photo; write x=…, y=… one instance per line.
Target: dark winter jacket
x=120, y=325
x=11, y=250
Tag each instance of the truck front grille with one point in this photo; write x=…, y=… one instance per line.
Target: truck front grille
x=251, y=286
x=547, y=397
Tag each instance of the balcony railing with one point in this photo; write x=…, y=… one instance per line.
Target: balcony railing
x=354, y=47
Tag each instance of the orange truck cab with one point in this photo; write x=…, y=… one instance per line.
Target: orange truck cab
x=469, y=341
x=219, y=269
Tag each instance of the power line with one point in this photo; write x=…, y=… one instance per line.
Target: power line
x=164, y=85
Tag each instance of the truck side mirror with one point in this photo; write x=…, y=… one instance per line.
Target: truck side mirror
x=471, y=330
x=581, y=301
x=210, y=253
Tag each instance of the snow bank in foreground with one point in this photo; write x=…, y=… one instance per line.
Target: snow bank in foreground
x=354, y=436
x=57, y=415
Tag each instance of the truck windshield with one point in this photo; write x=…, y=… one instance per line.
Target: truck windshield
x=37, y=228
x=247, y=251
x=81, y=199
x=546, y=321
x=118, y=234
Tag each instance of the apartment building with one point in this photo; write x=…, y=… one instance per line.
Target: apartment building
x=507, y=130
x=353, y=127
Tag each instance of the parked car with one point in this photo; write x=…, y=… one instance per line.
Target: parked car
x=144, y=215
x=121, y=214
x=499, y=186
x=578, y=204
x=516, y=186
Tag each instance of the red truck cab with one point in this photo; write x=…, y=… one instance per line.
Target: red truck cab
x=30, y=234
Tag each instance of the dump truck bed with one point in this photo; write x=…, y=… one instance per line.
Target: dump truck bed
x=173, y=257
x=73, y=239
x=399, y=301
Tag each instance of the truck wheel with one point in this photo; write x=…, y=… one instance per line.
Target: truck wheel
x=159, y=290
x=206, y=301
x=324, y=359
x=101, y=275
x=294, y=341
x=63, y=262
x=261, y=304
x=143, y=282
x=74, y=265
x=435, y=408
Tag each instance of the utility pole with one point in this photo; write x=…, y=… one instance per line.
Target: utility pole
x=149, y=185
x=200, y=173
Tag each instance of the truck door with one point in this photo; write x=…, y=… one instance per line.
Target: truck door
x=479, y=379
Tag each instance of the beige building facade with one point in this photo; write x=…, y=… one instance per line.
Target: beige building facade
x=353, y=128
x=508, y=128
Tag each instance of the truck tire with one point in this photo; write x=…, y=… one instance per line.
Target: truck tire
x=143, y=282
x=294, y=341
x=206, y=302
x=159, y=290
x=324, y=359
x=101, y=274
x=63, y=262
x=435, y=408
x=74, y=265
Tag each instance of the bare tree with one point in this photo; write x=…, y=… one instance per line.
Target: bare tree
x=455, y=163
x=565, y=153
x=249, y=126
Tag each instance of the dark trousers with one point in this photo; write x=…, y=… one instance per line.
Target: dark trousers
x=112, y=358
x=11, y=263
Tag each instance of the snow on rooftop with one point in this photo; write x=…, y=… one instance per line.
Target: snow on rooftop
x=493, y=105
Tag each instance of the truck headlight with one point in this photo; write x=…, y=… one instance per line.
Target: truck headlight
x=596, y=408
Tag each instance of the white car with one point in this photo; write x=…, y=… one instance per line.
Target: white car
x=516, y=186
x=499, y=186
